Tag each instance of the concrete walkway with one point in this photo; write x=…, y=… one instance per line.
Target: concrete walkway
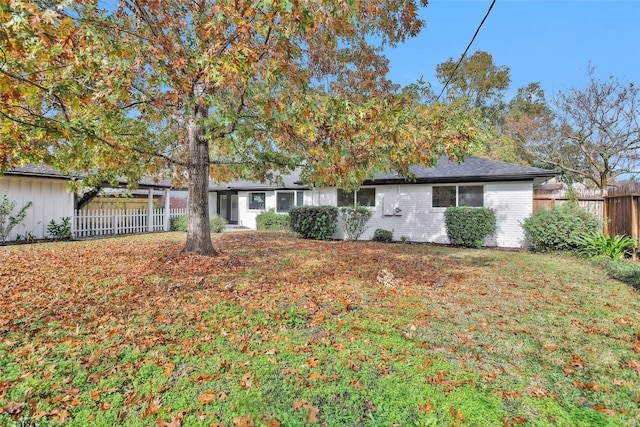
x=233, y=227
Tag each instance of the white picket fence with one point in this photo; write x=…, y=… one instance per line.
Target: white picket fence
x=104, y=222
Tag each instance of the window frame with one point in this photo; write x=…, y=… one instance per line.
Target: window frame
x=355, y=197
x=457, y=195
x=250, y=201
x=298, y=199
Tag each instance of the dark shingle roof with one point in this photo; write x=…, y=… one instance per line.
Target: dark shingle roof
x=46, y=171
x=471, y=169
x=288, y=181
x=43, y=171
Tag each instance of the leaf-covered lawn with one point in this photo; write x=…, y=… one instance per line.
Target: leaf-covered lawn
x=282, y=331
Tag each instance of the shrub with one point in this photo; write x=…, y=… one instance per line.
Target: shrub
x=180, y=223
x=558, y=228
x=314, y=222
x=354, y=220
x=8, y=221
x=271, y=221
x=381, y=235
x=60, y=231
x=469, y=226
x=596, y=244
x=217, y=223
x=624, y=270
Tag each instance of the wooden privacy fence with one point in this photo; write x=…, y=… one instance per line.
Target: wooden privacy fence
x=618, y=206
x=104, y=222
x=621, y=210
x=591, y=200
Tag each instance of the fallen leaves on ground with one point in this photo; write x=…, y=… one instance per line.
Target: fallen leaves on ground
x=133, y=328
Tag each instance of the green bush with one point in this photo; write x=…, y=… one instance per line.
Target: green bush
x=180, y=223
x=354, y=220
x=60, y=231
x=271, y=221
x=626, y=271
x=217, y=223
x=469, y=226
x=558, y=228
x=8, y=221
x=314, y=222
x=596, y=244
x=381, y=235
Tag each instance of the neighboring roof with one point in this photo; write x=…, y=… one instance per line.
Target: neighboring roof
x=472, y=169
x=289, y=181
x=42, y=171
x=46, y=171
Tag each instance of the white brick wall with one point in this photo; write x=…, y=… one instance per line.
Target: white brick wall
x=421, y=222
x=418, y=220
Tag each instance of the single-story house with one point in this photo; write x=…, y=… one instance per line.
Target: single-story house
x=410, y=208
x=47, y=190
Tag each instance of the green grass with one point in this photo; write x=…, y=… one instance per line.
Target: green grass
x=282, y=331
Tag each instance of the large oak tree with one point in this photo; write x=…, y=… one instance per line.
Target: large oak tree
x=215, y=89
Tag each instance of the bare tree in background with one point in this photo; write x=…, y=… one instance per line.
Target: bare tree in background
x=594, y=132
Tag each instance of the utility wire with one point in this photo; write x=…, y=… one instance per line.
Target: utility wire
x=466, y=50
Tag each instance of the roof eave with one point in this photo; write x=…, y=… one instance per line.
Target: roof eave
x=458, y=179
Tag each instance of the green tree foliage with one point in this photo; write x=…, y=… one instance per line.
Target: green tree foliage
x=354, y=220
x=314, y=222
x=469, y=226
x=559, y=228
x=8, y=221
x=477, y=80
x=216, y=89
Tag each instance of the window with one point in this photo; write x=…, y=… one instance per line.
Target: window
x=285, y=200
x=257, y=201
x=443, y=197
x=362, y=197
x=458, y=195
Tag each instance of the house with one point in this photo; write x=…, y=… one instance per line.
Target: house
x=410, y=208
x=47, y=190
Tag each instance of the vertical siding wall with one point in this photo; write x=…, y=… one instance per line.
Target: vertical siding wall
x=50, y=199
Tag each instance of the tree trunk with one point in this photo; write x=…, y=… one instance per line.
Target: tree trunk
x=198, y=229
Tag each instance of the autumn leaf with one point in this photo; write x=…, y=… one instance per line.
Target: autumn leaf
x=246, y=382
x=577, y=361
x=208, y=397
x=427, y=407
x=152, y=408
x=246, y=421
x=457, y=415
x=634, y=364
x=313, y=414
x=312, y=362
x=356, y=384
x=314, y=376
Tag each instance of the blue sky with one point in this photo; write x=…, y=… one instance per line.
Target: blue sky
x=552, y=42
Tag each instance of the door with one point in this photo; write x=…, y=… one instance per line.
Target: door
x=228, y=206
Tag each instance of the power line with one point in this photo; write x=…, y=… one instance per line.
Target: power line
x=466, y=50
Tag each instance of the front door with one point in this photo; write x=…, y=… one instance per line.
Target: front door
x=228, y=206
